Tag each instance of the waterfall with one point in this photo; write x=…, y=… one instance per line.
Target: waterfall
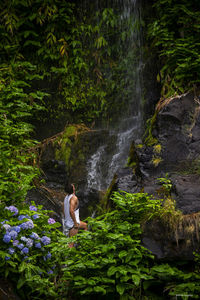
x=108, y=158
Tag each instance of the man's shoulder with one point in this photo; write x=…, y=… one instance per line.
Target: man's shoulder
x=74, y=198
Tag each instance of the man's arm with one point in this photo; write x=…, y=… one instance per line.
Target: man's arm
x=73, y=205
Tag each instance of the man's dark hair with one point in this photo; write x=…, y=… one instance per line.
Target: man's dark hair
x=69, y=188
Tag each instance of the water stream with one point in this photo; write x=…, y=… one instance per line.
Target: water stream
x=111, y=156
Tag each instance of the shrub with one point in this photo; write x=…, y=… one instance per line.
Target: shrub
x=26, y=237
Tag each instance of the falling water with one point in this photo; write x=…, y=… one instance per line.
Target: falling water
x=108, y=158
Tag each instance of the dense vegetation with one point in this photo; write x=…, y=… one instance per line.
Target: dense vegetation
x=58, y=59
x=108, y=261
x=175, y=33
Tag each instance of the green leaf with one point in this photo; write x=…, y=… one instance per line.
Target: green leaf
x=120, y=288
x=99, y=289
x=20, y=282
x=122, y=254
x=112, y=270
x=136, y=279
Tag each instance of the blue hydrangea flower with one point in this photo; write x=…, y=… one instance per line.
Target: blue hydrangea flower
x=11, y=250
x=27, y=225
x=26, y=258
x=15, y=242
x=7, y=227
x=6, y=238
x=13, y=234
x=51, y=221
x=30, y=224
x=29, y=243
x=12, y=208
x=16, y=228
x=25, y=250
x=23, y=225
x=7, y=257
x=20, y=246
x=21, y=217
x=45, y=240
x=33, y=208
x=48, y=256
x=38, y=245
x=50, y=272
x=35, y=217
x=34, y=236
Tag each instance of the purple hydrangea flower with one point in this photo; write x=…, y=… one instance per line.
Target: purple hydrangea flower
x=6, y=238
x=50, y=272
x=15, y=242
x=6, y=227
x=35, y=216
x=29, y=243
x=20, y=246
x=25, y=250
x=16, y=228
x=11, y=250
x=51, y=221
x=34, y=236
x=13, y=234
x=12, y=208
x=38, y=245
x=7, y=257
x=21, y=217
x=33, y=208
x=45, y=240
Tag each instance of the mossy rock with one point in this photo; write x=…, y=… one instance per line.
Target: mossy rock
x=65, y=142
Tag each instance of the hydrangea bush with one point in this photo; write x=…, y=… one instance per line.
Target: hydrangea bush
x=26, y=236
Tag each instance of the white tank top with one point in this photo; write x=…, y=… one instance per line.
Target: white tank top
x=68, y=220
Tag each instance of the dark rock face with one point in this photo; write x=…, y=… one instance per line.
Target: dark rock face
x=169, y=245
x=7, y=291
x=50, y=194
x=126, y=180
x=186, y=190
x=177, y=152
x=79, y=145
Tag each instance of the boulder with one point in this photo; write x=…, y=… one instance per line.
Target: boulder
x=173, y=149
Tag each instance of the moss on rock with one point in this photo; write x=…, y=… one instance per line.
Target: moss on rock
x=66, y=141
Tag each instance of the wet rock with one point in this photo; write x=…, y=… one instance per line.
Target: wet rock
x=126, y=180
x=187, y=192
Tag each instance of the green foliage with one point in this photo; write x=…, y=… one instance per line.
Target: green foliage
x=110, y=260
x=149, y=139
x=166, y=183
x=175, y=32
x=73, y=51
x=17, y=104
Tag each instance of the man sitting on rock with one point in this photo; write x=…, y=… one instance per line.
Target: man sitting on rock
x=72, y=222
